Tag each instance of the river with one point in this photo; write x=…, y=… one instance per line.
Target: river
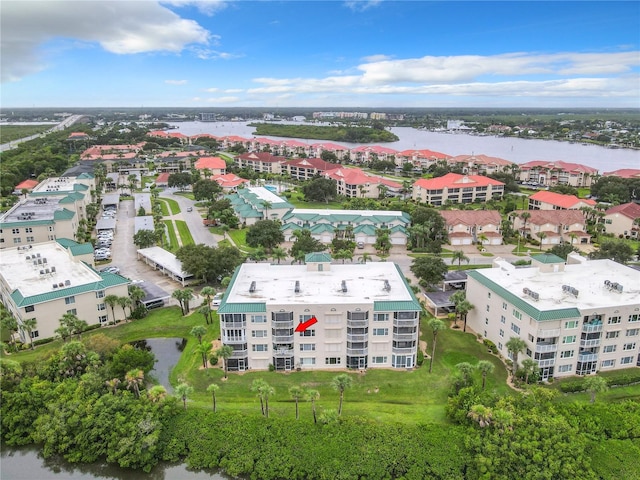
x=517, y=150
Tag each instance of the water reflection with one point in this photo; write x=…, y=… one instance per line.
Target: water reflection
x=167, y=352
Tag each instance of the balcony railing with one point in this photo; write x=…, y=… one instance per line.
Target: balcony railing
x=357, y=337
x=404, y=337
x=357, y=323
x=282, y=324
x=282, y=338
x=550, y=362
x=587, y=357
x=592, y=328
x=239, y=354
x=405, y=323
x=234, y=339
x=283, y=352
x=232, y=324
x=549, y=333
x=545, y=348
x=595, y=342
x=404, y=351
x=357, y=351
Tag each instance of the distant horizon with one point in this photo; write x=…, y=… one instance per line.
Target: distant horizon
x=352, y=54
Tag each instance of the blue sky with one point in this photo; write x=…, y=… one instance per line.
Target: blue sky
x=122, y=53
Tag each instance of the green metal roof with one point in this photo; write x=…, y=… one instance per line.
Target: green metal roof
x=27, y=223
x=63, y=214
x=80, y=187
x=547, y=258
x=533, y=312
x=321, y=228
x=108, y=280
x=83, y=176
x=74, y=247
x=397, y=306
x=317, y=257
x=366, y=229
x=243, y=308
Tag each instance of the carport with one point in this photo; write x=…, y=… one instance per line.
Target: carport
x=110, y=200
x=154, y=295
x=106, y=224
x=455, y=277
x=160, y=259
x=439, y=302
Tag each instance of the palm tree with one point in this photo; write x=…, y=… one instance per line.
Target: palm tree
x=212, y=389
x=112, y=301
x=203, y=349
x=460, y=257
x=463, y=308
x=524, y=216
x=541, y=236
x=267, y=391
x=207, y=293
x=313, y=395
x=341, y=383
x=9, y=324
x=187, y=296
x=515, y=345
x=296, y=393
x=530, y=367
x=466, y=370
x=29, y=324
x=199, y=331
x=266, y=205
x=435, y=325
x=594, y=385
x=278, y=254
x=179, y=295
x=485, y=367
x=124, y=302
x=205, y=311
x=183, y=391
x=63, y=332
x=134, y=379
x=112, y=385
x=225, y=352
x=258, y=255
x=481, y=414
x=365, y=257
x=257, y=386
x=136, y=294
x=157, y=393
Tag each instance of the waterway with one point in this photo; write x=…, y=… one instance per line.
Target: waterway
x=517, y=150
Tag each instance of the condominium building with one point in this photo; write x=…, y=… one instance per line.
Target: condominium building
x=456, y=188
x=47, y=280
x=320, y=316
x=577, y=317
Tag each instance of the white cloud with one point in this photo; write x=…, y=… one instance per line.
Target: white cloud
x=212, y=90
x=361, y=5
x=208, y=54
x=208, y=7
x=233, y=90
x=176, y=82
x=376, y=58
x=121, y=27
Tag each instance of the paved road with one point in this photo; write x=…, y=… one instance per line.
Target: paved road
x=199, y=232
x=67, y=122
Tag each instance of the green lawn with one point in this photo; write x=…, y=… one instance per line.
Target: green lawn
x=297, y=200
x=239, y=237
x=173, y=205
x=9, y=133
x=188, y=195
x=185, y=234
x=173, y=239
x=164, y=208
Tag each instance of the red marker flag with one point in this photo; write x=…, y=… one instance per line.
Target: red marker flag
x=304, y=325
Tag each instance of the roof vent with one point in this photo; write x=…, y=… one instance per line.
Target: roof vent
x=61, y=285
x=297, y=288
x=53, y=269
x=252, y=288
x=67, y=282
x=387, y=285
x=55, y=285
x=344, y=286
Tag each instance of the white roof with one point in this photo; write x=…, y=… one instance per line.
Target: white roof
x=362, y=213
x=275, y=284
x=56, y=184
x=265, y=194
x=165, y=258
x=588, y=278
x=22, y=274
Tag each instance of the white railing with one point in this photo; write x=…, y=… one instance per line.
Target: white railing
x=550, y=362
x=545, y=348
x=587, y=357
x=590, y=343
x=549, y=333
x=233, y=339
x=404, y=351
x=356, y=351
x=592, y=328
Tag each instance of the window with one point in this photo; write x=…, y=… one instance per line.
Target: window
x=259, y=333
x=332, y=361
x=613, y=320
x=504, y=306
x=633, y=318
x=308, y=333
x=516, y=329
x=488, y=293
x=261, y=347
x=28, y=230
x=378, y=360
x=608, y=363
x=307, y=361
x=29, y=308
x=487, y=308
x=103, y=319
x=499, y=346
x=30, y=239
x=35, y=334
x=566, y=354
x=614, y=334
x=569, y=339
x=15, y=231
x=571, y=324
x=626, y=360
x=380, y=317
x=632, y=332
x=565, y=368
x=502, y=333
x=258, y=319
x=17, y=240
x=517, y=314
x=609, y=348
x=100, y=294
x=380, y=332
x=629, y=346
x=69, y=300
x=102, y=306
x=307, y=347
x=72, y=311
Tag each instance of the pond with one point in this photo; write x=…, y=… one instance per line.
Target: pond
x=167, y=352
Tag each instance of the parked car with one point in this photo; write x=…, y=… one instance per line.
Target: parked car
x=100, y=256
x=360, y=244
x=189, y=209
x=217, y=299
x=111, y=269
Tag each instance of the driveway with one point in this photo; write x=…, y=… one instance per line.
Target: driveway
x=199, y=232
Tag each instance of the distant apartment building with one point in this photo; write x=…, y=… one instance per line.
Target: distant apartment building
x=577, y=318
x=456, y=188
x=74, y=192
x=355, y=183
x=482, y=164
x=623, y=220
x=261, y=162
x=557, y=173
x=624, y=173
x=320, y=316
x=257, y=203
x=214, y=165
x=47, y=280
x=307, y=168
x=419, y=159
x=545, y=200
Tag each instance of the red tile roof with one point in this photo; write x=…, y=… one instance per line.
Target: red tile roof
x=555, y=217
x=193, y=153
x=455, y=180
x=423, y=154
x=558, y=165
x=261, y=157
x=78, y=135
x=28, y=184
x=471, y=217
x=313, y=163
x=355, y=176
x=212, y=163
x=480, y=160
x=331, y=147
x=560, y=200
x=375, y=149
x=229, y=180
x=624, y=173
x=162, y=178
x=631, y=210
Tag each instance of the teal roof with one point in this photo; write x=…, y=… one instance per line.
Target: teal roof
x=290, y=226
x=80, y=187
x=399, y=305
x=243, y=308
x=83, y=176
x=317, y=257
x=63, y=214
x=366, y=229
x=26, y=223
x=321, y=228
x=547, y=258
x=74, y=247
x=108, y=280
x=533, y=312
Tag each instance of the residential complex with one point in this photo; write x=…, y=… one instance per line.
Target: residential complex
x=577, y=317
x=319, y=316
x=257, y=203
x=557, y=173
x=465, y=227
x=355, y=183
x=551, y=227
x=456, y=188
x=623, y=220
x=545, y=200
x=47, y=280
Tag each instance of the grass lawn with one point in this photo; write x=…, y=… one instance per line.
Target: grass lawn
x=297, y=200
x=164, y=208
x=173, y=239
x=185, y=234
x=188, y=195
x=239, y=237
x=173, y=205
x=9, y=133
x=616, y=394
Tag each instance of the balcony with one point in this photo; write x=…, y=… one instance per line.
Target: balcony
x=404, y=351
x=282, y=324
x=587, y=357
x=282, y=338
x=550, y=362
x=357, y=323
x=240, y=324
x=234, y=339
x=240, y=353
x=282, y=352
x=548, y=333
x=404, y=337
x=592, y=328
x=405, y=323
x=546, y=348
x=594, y=342
x=357, y=351
x=357, y=337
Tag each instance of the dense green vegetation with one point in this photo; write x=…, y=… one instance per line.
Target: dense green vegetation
x=339, y=134
x=9, y=133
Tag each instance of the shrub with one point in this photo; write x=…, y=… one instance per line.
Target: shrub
x=92, y=327
x=43, y=341
x=572, y=386
x=490, y=345
x=139, y=312
x=213, y=360
x=420, y=358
